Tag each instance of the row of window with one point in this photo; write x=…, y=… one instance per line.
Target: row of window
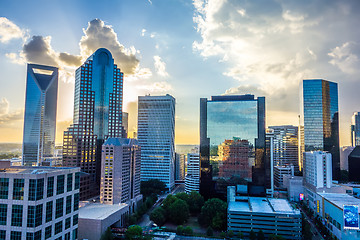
x=16, y=235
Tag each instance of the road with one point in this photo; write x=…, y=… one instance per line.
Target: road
x=316, y=234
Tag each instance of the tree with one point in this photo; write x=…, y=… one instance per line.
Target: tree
x=240, y=235
x=260, y=235
x=223, y=235
x=196, y=201
x=209, y=231
x=133, y=232
x=252, y=235
x=107, y=235
x=180, y=230
x=183, y=196
x=158, y=216
x=278, y=237
x=188, y=231
x=213, y=214
x=178, y=211
x=170, y=199
x=152, y=186
x=230, y=233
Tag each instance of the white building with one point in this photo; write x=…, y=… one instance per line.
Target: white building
x=294, y=186
x=192, y=179
x=156, y=132
x=318, y=169
x=38, y=202
x=280, y=172
x=120, y=171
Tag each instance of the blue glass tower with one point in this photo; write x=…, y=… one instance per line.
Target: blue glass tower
x=97, y=116
x=321, y=119
x=40, y=114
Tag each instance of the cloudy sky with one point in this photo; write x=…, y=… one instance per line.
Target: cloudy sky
x=189, y=49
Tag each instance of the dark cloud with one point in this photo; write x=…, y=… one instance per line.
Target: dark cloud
x=98, y=35
x=38, y=50
x=70, y=60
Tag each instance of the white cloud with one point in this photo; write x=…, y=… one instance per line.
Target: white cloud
x=9, y=31
x=160, y=66
x=345, y=57
x=143, y=31
x=7, y=118
x=156, y=87
x=4, y=106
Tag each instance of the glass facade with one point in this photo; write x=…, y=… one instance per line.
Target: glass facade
x=4, y=188
x=49, y=211
x=355, y=129
x=36, y=189
x=3, y=214
x=40, y=113
x=50, y=187
x=97, y=116
x=18, y=189
x=60, y=184
x=59, y=208
x=16, y=215
x=321, y=119
x=232, y=141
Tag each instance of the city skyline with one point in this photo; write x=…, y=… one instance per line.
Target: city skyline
x=249, y=51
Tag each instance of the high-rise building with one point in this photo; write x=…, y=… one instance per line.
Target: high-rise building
x=192, y=178
x=120, y=171
x=355, y=129
x=156, y=131
x=318, y=169
x=125, y=124
x=40, y=114
x=321, y=119
x=286, y=147
x=97, y=116
x=228, y=124
x=180, y=167
x=39, y=202
x=354, y=165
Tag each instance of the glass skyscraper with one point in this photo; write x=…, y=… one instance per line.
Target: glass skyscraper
x=97, y=116
x=232, y=142
x=40, y=114
x=321, y=119
x=355, y=129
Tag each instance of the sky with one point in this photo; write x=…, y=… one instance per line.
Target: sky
x=189, y=49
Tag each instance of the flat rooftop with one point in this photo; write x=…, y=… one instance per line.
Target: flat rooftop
x=340, y=199
x=98, y=211
x=262, y=205
x=33, y=170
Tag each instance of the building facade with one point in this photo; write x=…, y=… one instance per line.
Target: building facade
x=354, y=165
x=39, y=203
x=280, y=172
x=232, y=124
x=192, y=178
x=156, y=132
x=355, y=129
x=180, y=164
x=97, y=116
x=318, y=169
x=40, y=114
x=120, y=171
x=321, y=119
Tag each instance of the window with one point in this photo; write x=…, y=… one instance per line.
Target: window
x=29, y=236
x=60, y=184
x=3, y=214
x=50, y=187
x=58, y=227
x=68, y=204
x=69, y=182
x=77, y=180
x=75, y=219
x=32, y=189
x=37, y=235
x=4, y=188
x=15, y=235
x=16, y=216
x=38, y=215
x=59, y=211
x=40, y=189
x=18, y=190
x=68, y=223
x=31, y=216
x=49, y=211
x=76, y=201
x=75, y=234
x=48, y=232
x=3, y=234
x=67, y=236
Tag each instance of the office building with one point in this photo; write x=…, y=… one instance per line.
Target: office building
x=232, y=124
x=39, y=202
x=180, y=164
x=120, y=171
x=286, y=146
x=318, y=169
x=192, y=178
x=125, y=124
x=40, y=114
x=270, y=215
x=355, y=129
x=354, y=165
x=295, y=188
x=321, y=119
x=97, y=116
x=156, y=132
x=344, y=157
x=280, y=172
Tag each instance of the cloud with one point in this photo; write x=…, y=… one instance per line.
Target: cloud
x=346, y=57
x=39, y=50
x=9, y=31
x=156, y=87
x=143, y=31
x=4, y=106
x=98, y=35
x=160, y=66
x=69, y=59
x=9, y=118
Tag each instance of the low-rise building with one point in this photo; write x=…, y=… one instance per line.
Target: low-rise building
x=192, y=179
x=295, y=188
x=280, y=172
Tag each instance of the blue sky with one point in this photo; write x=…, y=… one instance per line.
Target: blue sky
x=190, y=49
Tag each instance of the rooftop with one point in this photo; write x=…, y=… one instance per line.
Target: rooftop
x=120, y=141
x=33, y=170
x=262, y=205
x=340, y=199
x=99, y=211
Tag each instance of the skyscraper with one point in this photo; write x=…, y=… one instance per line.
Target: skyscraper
x=156, y=132
x=40, y=114
x=317, y=169
x=321, y=119
x=192, y=178
x=231, y=124
x=97, y=116
x=355, y=129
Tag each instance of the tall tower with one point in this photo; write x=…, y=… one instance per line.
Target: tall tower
x=355, y=129
x=40, y=114
x=232, y=122
x=97, y=116
x=321, y=119
x=156, y=132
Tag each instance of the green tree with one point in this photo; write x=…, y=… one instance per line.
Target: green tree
x=170, y=199
x=196, y=201
x=223, y=235
x=178, y=211
x=188, y=231
x=260, y=235
x=158, y=216
x=278, y=237
x=306, y=229
x=230, y=233
x=133, y=232
x=240, y=235
x=152, y=186
x=183, y=196
x=213, y=214
x=252, y=235
x=180, y=230
x=107, y=235
x=209, y=231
